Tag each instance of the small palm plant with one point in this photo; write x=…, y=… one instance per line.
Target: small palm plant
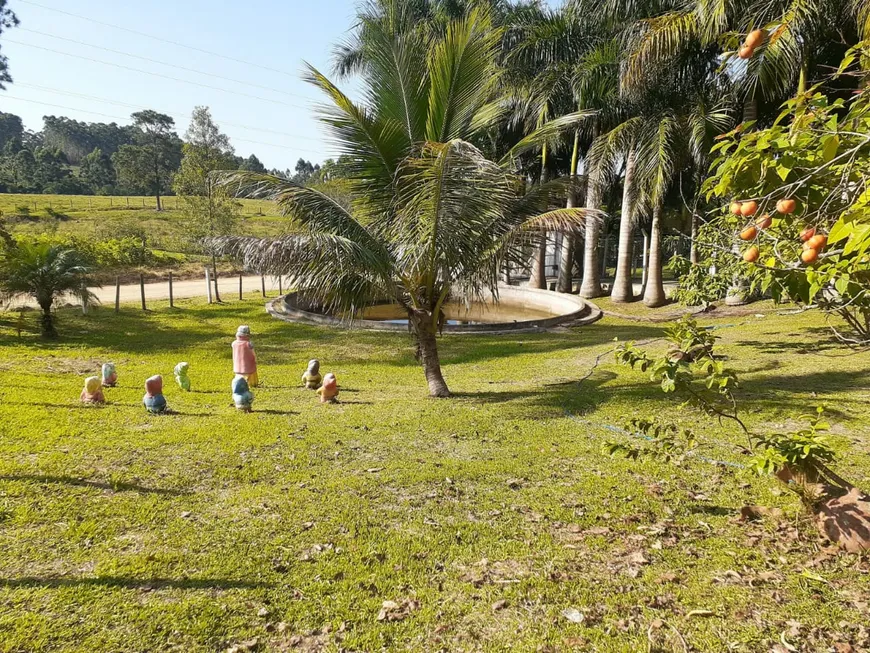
x=430, y=216
x=44, y=272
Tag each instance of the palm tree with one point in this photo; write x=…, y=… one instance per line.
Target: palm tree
x=567, y=61
x=44, y=272
x=430, y=217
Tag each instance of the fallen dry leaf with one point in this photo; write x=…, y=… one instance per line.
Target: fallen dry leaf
x=573, y=615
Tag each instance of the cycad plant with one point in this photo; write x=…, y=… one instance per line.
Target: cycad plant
x=43, y=272
x=430, y=216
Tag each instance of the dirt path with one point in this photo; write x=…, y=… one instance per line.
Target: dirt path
x=130, y=293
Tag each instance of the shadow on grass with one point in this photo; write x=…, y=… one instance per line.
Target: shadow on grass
x=100, y=485
x=134, y=332
x=131, y=583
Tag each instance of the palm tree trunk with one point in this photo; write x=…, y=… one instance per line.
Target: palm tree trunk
x=46, y=322
x=622, y=286
x=645, y=263
x=750, y=109
x=604, y=254
x=591, y=286
x=538, y=274
x=566, y=260
x=217, y=296
x=427, y=354
x=654, y=293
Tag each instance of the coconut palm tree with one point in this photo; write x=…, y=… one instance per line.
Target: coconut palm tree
x=43, y=272
x=430, y=217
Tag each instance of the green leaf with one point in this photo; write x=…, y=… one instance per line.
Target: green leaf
x=830, y=145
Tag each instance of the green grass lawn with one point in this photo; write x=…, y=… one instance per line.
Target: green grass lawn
x=486, y=518
x=108, y=217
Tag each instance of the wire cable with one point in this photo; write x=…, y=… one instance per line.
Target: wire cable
x=156, y=38
x=176, y=114
x=148, y=72
x=165, y=63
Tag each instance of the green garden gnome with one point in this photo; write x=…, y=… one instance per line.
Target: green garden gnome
x=181, y=376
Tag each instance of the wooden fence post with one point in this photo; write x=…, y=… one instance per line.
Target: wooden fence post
x=280, y=289
x=117, y=294
x=208, y=284
x=263, y=284
x=171, y=299
x=142, y=290
x=240, y=287
x=128, y=202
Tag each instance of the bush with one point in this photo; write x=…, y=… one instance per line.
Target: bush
x=104, y=254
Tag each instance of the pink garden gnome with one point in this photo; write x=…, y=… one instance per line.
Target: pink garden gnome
x=93, y=391
x=329, y=390
x=110, y=375
x=244, y=358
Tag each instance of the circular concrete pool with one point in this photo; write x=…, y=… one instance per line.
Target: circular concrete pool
x=518, y=310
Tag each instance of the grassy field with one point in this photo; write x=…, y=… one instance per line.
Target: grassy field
x=492, y=521
x=107, y=217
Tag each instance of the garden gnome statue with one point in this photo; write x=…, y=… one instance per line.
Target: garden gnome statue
x=93, y=391
x=244, y=358
x=181, y=376
x=110, y=376
x=242, y=395
x=329, y=390
x=154, y=400
x=312, y=377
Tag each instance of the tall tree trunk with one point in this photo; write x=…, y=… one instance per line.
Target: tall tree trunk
x=604, y=255
x=622, y=286
x=644, y=263
x=693, y=252
x=538, y=274
x=427, y=354
x=157, y=183
x=654, y=293
x=217, y=296
x=566, y=260
x=591, y=286
x=46, y=322
x=750, y=109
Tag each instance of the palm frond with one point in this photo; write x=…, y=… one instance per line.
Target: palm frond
x=463, y=74
x=371, y=147
x=546, y=132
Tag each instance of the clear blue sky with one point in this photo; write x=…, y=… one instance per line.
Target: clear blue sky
x=65, y=77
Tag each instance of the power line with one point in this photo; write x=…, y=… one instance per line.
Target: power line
x=158, y=38
x=177, y=114
x=164, y=63
x=106, y=115
x=148, y=72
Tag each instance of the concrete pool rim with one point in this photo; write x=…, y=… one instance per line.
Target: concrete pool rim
x=570, y=310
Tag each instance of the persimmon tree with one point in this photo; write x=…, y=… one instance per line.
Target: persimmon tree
x=692, y=370
x=796, y=200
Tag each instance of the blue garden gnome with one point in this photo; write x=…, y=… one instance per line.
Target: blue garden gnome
x=242, y=395
x=154, y=400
